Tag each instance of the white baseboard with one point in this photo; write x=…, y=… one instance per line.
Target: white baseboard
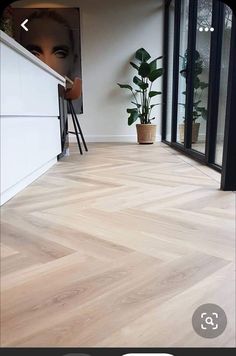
x=110, y=138
x=202, y=137
x=23, y=183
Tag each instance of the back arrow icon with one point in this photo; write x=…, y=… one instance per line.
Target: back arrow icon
x=23, y=25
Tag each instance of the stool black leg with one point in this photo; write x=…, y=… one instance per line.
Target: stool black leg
x=79, y=128
x=74, y=123
x=81, y=134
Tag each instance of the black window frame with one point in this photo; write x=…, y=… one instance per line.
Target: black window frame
x=228, y=169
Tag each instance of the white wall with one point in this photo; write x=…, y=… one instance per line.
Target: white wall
x=111, y=32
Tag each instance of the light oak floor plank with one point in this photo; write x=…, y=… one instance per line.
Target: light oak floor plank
x=117, y=247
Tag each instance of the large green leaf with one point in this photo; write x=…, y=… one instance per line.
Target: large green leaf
x=197, y=55
x=203, y=112
x=195, y=114
x=133, y=117
x=143, y=86
x=134, y=65
x=204, y=115
x=125, y=86
x=154, y=93
x=130, y=111
x=137, y=81
x=144, y=70
x=203, y=85
x=197, y=70
x=140, y=83
x=153, y=64
x=196, y=83
x=155, y=74
x=142, y=55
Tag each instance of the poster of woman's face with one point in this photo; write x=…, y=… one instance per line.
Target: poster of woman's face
x=54, y=37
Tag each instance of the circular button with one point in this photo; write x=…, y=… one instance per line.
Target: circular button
x=209, y=320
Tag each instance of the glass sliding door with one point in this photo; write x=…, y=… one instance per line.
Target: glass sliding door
x=183, y=45
x=227, y=25
x=201, y=74
x=199, y=81
x=170, y=70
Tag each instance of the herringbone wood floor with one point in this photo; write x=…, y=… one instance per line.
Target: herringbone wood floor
x=117, y=248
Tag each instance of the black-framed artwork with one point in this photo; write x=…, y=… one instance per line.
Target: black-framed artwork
x=54, y=36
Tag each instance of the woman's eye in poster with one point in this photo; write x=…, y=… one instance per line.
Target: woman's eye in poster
x=61, y=52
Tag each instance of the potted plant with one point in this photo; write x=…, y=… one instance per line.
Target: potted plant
x=199, y=111
x=143, y=95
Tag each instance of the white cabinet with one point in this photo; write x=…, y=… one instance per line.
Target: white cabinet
x=30, y=128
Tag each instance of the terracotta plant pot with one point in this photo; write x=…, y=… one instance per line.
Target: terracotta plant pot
x=195, y=131
x=146, y=133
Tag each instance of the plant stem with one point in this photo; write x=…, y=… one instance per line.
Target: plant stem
x=136, y=101
x=143, y=106
x=149, y=101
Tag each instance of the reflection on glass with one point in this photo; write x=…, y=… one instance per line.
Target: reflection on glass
x=182, y=70
x=170, y=70
x=201, y=74
x=223, y=84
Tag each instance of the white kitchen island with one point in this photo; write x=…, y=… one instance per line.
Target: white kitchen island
x=30, y=128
